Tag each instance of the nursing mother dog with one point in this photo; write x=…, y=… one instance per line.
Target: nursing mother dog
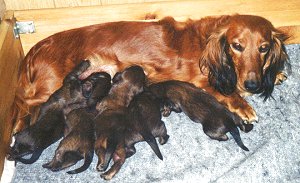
x=228, y=56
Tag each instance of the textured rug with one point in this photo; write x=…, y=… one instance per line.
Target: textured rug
x=190, y=156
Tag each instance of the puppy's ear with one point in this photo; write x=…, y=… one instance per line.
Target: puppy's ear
x=79, y=69
x=221, y=72
x=275, y=62
x=117, y=77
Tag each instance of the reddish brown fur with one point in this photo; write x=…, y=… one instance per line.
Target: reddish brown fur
x=166, y=50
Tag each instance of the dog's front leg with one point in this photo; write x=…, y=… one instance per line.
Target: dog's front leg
x=235, y=103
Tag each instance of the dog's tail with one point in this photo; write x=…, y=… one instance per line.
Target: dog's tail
x=234, y=131
x=87, y=162
x=150, y=139
x=34, y=157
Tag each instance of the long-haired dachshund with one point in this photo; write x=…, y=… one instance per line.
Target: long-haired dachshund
x=111, y=121
x=228, y=56
x=202, y=108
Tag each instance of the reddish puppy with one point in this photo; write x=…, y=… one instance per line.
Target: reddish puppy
x=228, y=56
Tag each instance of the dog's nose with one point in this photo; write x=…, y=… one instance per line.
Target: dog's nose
x=252, y=85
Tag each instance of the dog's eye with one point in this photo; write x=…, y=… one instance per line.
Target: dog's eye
x=237, y=47
x=264, y=48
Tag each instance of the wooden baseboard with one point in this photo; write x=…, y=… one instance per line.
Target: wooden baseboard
x=11, y=54
x=284, y=14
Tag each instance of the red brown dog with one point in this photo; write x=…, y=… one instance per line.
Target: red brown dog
x=233, y=55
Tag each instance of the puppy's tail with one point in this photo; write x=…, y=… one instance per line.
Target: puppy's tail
x=34, y=157
x=87, y=162
x=112, y=143
x=234, y=131
x=150, y=139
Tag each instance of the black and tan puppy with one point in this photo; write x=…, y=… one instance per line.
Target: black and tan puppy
x=144, y=118
x=78, y=143
x=201, y=108
x=111, y=121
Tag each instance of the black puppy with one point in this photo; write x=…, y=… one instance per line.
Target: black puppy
x=144, y=118
x=34, y=139
x=202, y=108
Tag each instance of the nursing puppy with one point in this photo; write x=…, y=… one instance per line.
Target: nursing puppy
x=34, y=139
x=79, y=130
x=145, y=123
x=111, y=121
x=78, y=143
x=75, y=93
x=202, y=108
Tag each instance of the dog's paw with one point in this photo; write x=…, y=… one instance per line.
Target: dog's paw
x=280, y=78
x=245, y=112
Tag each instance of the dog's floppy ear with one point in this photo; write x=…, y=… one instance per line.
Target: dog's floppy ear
x=221, y=72
x=275, y=62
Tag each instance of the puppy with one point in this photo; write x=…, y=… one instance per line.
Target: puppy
x=202, y=108
x=145, y=123
x=73, y=94
x=78, y=144
x=34, y=139
x=111, y=121
x=76, y=93
x=79, y=131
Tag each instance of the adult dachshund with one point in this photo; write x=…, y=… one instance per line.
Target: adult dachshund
x=228, y=56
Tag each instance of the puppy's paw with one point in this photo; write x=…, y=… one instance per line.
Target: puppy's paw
x=106, y=176
x=52, y=167
x=101, y=168
x=163, y=140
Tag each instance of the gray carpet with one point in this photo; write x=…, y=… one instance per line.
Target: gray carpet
x=190, y=156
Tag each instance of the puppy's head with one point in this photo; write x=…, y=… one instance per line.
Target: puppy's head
x=96, y=86
x=24, y=144
x=133, y=75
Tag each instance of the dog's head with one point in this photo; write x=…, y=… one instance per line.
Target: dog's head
x=245, y=53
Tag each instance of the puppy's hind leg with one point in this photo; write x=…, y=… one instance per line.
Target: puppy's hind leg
x=34, y=157
x=161, y=132
x=119, y=159
x=88, y=158
x=216, y=134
